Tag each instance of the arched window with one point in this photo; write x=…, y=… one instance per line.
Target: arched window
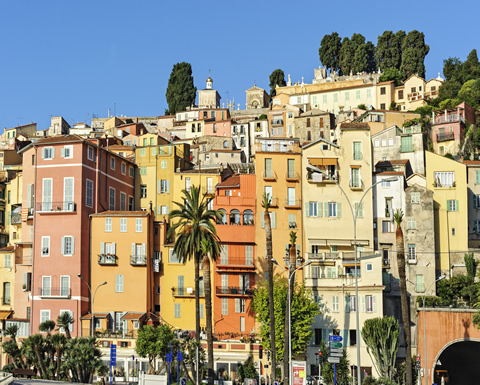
x=225, y=144
x=235, y=217
x=248, y=217
x=223, y=220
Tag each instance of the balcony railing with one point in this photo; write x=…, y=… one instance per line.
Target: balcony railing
x=292, y=203
x=6, y=300
x=449, y=119
x=56, y=206
x=324, y=256
x=185, y=292
x=235, y=262
x=292, y=176
x=234, y=290
x=138, y=260
x=277, y=122
x=269, y=175
x=54, y=292
x=356, y=184
x=107, y=259
x=445, y=136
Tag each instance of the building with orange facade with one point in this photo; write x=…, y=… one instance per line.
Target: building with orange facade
x=66, y=179
x=234, y=272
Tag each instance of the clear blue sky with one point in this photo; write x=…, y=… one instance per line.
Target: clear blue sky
x=78, y=58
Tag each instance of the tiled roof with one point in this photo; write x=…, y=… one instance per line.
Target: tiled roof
x=138, y=213
x=393, y=161
x=8, y=248
x=132, y=316
x=362, y=125
x=233, y=181
x=59, y=139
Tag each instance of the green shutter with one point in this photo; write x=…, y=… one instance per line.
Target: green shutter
x=325, y=205
x=456, y=205
x=319, y=209
x=307, y=209
x=448, y=206
x=477, y=176
x=347, y=304
x=339, y=210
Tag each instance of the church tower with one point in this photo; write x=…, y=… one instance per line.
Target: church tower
x=208, y=98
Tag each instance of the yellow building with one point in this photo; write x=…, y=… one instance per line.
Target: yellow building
x=279, y=175
x=415, y=91
x=448, y=181
x=155, y=173
x=126, y=257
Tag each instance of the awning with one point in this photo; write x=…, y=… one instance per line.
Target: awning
x=97, y=315
x=5, y=314
x=351, y=264
x=133, y=316
x=323, y=161
x=355, y=166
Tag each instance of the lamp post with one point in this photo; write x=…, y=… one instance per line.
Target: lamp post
x=354, y=217
x=425, y=327
x=290, y=276
x=92, y=323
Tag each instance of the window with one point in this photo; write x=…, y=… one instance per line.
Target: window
x=444, y=179
x=46, y=286
x=385, y=183
x=47, y=194
x=68, y=194
x=355, y=180
x=163, y=164
x=411, y=224
x=64, y=285
x=123, y=225
x=44, y=315
x=131, y=204
x=292, y=221
x=291, y=168
x=249, y=255
x=6, y=293
x=48, y=153
x=131, y=172
x=312, y=209
x=143, y=191
x=476, y=226
x=143, y=171
x=387, y=227
x=112, y=162
x=406, y=144
x=163, y=186
x=177, y=310
x=248, y=217
x=138, y=225
x=111, y=199
x=369, y=267
x=239, y=305
x=67, y=152
x=68, y=245
x=412, y=257
x=224, y=254
x=333, y=209
x=452, y=205
x=347, y=96
x=119, y=283
x=377, y=142
x=124, y=168
x=370, y=303
x=173, y=257
x=202, y=310
x=400, y=95
x=123, y=201
x=415, y=197
x=419, y=284
x=358, y=209
x=335, y=304
x=7, y=260
x=268, y=168
x=224, y=306
x=142, y=152
x=45, y=246
x=382, y=106
x=153, y=151
x=89, y=193
x=383, y=90
x=108, y=225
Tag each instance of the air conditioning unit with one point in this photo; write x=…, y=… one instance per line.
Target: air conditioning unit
x=189, y=290
x=255, y=363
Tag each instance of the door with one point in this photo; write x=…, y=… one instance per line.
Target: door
x=68, y=194
x=291, y=196
x=209, y=185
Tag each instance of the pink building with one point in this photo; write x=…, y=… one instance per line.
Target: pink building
x=66, y=179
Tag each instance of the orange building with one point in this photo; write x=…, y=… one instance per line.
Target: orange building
x=234, y=272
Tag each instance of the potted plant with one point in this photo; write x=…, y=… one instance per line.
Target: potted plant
x=24, y=287
x=120, y=376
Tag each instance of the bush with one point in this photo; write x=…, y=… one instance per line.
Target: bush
x=8, y=368
x=385, y=381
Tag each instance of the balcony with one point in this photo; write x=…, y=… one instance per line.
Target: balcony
x=48, y=207
x=324, y=256
x=185, y=292
x=235, y=263
x=277, y=122
x=292, y=176
x=6, y=301
x=138, y=260
x=269, y=175
x=107, y=259
x=356, y=184
x=445, y=136
x=54, y=292
x=234, y=291
x=316, y=177
x=292, y=203
x=414, y=96
x=449, y=119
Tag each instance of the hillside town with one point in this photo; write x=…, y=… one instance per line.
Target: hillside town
x=85, y=225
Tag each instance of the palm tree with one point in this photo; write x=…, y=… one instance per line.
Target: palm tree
x=292, y=251
x=266, y=202
x=195, y=223
x=47, y=326
x=58, y=343
x=37, y=345
x=12, y=331
x=398, y=217
x=64, y=321
x=205, y=248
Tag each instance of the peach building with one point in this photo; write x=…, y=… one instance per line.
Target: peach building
x=66, y=179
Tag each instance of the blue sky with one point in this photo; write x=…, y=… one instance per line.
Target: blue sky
x=78, y=58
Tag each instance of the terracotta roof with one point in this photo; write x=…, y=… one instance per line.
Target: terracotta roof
x=8, y=248
x=120, y=147
x=5, y=314
x=133, y=316
x=394, y=161
x=59, y=139
x=390, y=173
x=138, y=213
x=233, y=181
x=472, y=162
x=97, y=315
x=362, y=125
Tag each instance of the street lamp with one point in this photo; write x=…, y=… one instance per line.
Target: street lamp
x=354, y=217
x=290, y=276
x=93, y=301
x=425, y=327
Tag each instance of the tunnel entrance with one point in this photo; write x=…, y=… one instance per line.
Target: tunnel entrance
x=458, y=364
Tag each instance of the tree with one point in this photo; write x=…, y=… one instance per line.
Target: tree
x=343, y=368
x=247, y=370
x=304, y=310
x=266, y=202
x=471, y=67
x=277, y=78
x=82, y=358
x=391, y=73
x=449, y=89
x=453, y=69
x=329, y=51
x=181, y=91
x=364, y=59
x=64, y=321
x=381, y=338
x=194, y=222
x=399, y=243
x=153, y=342
x=414, y=51
x=470, y=265
x=389, y=50
x=347, y=52
x=470, y=93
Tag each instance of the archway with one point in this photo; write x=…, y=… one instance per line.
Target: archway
x=458, y=362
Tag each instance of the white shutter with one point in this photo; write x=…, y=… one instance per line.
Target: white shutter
x=237, y=305
x=374, y=301
x=363, y=303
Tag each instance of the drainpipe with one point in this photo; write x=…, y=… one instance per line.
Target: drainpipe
x=32, y=289
x=455, y=265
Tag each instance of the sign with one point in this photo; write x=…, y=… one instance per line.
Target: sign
x=113, y=355
x=335, y=338
x=333, y=360
x=335, y=345
x=336, y=350
x=183, y=381
x=336, y=354
x=299, y=369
